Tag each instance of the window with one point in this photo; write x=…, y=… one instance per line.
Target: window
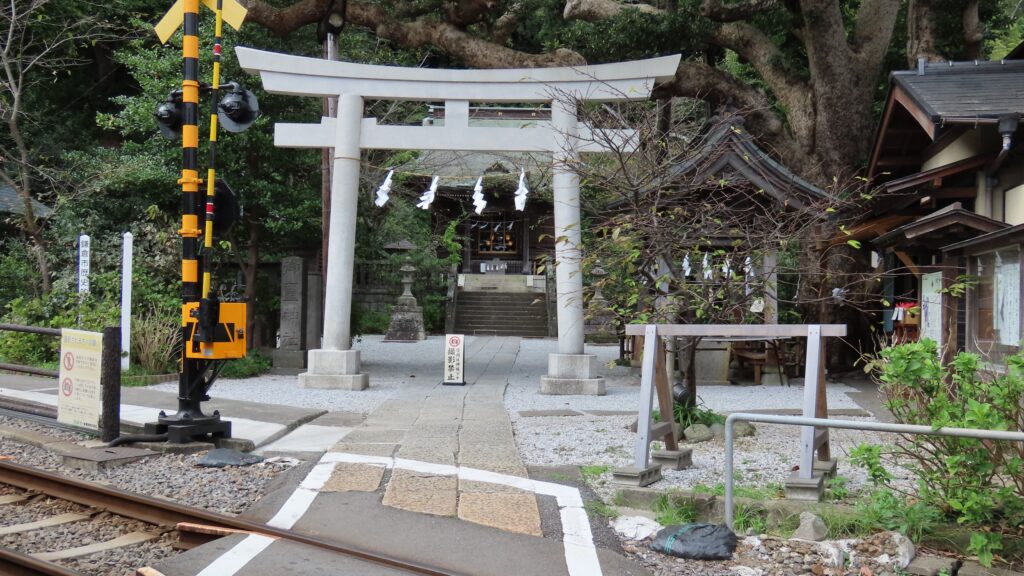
x=993, y=304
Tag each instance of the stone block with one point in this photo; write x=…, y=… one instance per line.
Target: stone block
x=572, y=366
x=811, y=528
x=571, y=386
x=932, y=566
x=807, y=489
x=97, y=459
x=633, y=476
x=406, y=324
x=334, y=381
x=673, y=459
x=506, y=511
x=289, y=358
x=334, y=361
x=826, y=468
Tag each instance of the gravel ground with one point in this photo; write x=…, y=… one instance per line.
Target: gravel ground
x=175, y=477
x=766, y=458
x=623, y=386
x=55, y=432
x=389, y=364
x=767, y=556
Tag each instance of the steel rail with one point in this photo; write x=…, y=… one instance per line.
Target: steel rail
x=167, y=513
x=14, y=562
x=916, y=429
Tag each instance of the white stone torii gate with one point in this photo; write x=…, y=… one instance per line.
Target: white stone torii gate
x=336, y=365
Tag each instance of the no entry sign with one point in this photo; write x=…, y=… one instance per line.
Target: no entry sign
x=454, y=360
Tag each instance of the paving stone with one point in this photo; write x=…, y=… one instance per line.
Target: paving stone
x=365, y=449
x=540, y=413
x=439, y=453
x=611, y=412
x=349, y=477
x=375, y=436
x=340, y=419
x=506, y=511
x=932, y=565
x=422, y=493
x=466, y=486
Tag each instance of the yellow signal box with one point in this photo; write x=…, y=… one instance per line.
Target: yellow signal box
x=229, y=336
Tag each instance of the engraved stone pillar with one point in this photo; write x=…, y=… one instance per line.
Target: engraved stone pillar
x=291, y=352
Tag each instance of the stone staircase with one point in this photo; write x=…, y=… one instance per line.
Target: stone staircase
x=502, y=314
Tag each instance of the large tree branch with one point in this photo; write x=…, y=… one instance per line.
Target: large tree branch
x=828, y=54
x=698, y=80
x=876, y=20
x=469, y=49
x=592, y=10
x=718, y=11
x=757, y=48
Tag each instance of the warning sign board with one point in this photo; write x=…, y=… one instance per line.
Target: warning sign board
x=79, y=401
x=454, y=359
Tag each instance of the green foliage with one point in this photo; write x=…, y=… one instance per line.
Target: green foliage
x=592, y=473
x=368, y=321
x=672, y=510
x=750, y=517
x=57, y=310
x=687, y=416
x=977, y=483
x=837, y=488
x=598, y=508
x=253, y=364
x=156, y=340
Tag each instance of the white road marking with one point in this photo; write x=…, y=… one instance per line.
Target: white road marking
x=578, y=541
x=238, y=556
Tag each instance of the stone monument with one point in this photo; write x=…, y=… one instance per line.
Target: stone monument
x=600, y=326
x=406, y=316
x=291, y=349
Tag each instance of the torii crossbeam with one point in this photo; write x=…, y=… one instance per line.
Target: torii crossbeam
x=335, y=365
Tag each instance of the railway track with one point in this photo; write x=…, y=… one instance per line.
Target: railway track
x=149, y=518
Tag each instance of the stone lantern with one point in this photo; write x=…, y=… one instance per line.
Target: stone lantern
x=406, y=315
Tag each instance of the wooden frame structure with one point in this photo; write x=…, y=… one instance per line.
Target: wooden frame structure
x=813, y=441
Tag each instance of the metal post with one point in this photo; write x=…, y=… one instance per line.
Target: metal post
x=848, y=425
x=126, y=300
x=110, y=384
x=811, y=375
x=643, y=423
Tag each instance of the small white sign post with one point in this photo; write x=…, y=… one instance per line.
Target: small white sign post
x=126, y=299
x=84, y=247
x=454, y=360
x=79, y=397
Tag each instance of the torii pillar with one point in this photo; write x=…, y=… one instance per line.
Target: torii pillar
x=336, y=365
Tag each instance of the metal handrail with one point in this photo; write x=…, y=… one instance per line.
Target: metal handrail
x=29, y=330
x=847, y=424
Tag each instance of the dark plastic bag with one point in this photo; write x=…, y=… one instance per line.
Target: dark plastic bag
x=696, y=541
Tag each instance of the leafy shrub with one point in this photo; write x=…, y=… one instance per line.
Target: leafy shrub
x=253, y=364
x=156, y=340
x=976, y=482
x=56, y=310
x=687, y=416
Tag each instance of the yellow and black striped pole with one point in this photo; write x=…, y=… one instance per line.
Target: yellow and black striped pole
x=190, y=384
x=211, y=173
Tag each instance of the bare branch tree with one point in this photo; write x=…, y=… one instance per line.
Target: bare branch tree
x=34, y=46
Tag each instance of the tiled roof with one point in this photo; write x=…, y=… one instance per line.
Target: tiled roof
x=11, y=203
x=966, y=90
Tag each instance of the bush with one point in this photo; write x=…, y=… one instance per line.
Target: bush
x=156, y=340
x=85, y=312
x=253, y=364
x=978, y=483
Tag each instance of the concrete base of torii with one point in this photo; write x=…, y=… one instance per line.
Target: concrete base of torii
x=572, y=374
x=334, y=369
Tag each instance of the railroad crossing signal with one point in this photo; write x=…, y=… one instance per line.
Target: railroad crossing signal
x=233, y=13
